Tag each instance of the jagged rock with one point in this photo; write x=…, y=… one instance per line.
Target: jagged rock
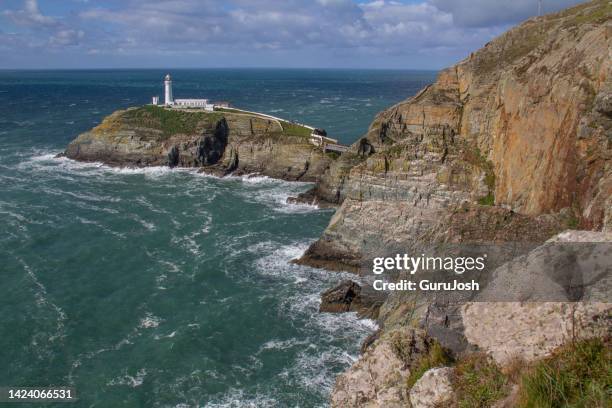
x=365, y=148
x=527, y=331
x=349, y=296
x=433, y=389
x=338, y=299
x=511, y=144
x=212, y=147
x=378, y=378
x=173, y=156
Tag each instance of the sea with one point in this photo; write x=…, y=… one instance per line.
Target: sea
x=152, y=287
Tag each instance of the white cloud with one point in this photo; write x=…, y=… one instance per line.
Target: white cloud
x=30, y=15
x=66, y=37
x=258, y=29
x=485, y=13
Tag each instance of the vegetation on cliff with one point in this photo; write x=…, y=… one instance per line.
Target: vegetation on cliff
x=169, y=121
x=578, y=374
x=478, y=382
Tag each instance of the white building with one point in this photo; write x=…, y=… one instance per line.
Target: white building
x=155, y=100
x=194, y=103
x=182, y=103
x=168, y=100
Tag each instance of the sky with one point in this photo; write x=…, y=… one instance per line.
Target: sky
x=409, y=34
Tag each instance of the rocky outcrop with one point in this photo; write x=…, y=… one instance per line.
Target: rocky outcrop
x=524, y=125
x=531, y=305
x=340, y=298
x=217, y=142
x=379, y=378
x=349, y=296
x=433, y=389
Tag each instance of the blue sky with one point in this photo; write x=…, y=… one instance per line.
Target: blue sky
x=411, y=34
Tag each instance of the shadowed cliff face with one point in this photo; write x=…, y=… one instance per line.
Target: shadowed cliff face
x=523, y=125
x=216, y=142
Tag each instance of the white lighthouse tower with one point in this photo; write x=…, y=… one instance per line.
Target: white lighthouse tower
x=168, y=100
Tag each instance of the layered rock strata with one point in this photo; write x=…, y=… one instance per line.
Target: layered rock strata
x=523, y=124
x=216, y=142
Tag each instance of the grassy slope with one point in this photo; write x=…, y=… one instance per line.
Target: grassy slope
x=171, y=121
x=578, y=374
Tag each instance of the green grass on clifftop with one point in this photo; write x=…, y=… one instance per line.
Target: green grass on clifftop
x=436, y=357
x=292, y=129
x=576, y=375
x=170, y=121
x=479, y=382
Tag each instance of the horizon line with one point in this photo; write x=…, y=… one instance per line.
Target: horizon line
x=215, y=68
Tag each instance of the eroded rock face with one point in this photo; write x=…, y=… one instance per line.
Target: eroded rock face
x=349, y=296
x=523, y=124
x=340, y=298
x=218, y=143
x=378, y=379
x=433, y=389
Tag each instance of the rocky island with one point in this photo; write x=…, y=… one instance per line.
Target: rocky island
x=511, y=145
x=220, y=142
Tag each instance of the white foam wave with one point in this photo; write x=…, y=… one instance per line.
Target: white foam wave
x=132, y=381
x=166, y=336
x=188, y=243
x=273, y=192
x=238, y=398
x=314, y=369
x=49, y=161
x=42, y=300
x=149, y=321
x=149, y=226
x=102, y=227
x=277, y=262
x=281, y=344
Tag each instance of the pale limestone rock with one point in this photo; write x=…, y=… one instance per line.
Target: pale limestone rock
x=378, y=378
x=531, y=329
x=433, y=389
x=528, y=331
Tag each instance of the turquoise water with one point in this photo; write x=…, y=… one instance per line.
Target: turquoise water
x=158, y=287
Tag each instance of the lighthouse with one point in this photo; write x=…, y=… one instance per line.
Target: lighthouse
x=168, y=100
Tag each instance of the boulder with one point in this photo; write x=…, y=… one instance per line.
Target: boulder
x=433, y=389
x=338, y=299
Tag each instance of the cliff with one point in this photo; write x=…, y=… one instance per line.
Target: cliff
x=518, y=133
x=511, y=145
x=218, y=142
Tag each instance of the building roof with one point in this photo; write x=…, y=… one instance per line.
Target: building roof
x=167, y=77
